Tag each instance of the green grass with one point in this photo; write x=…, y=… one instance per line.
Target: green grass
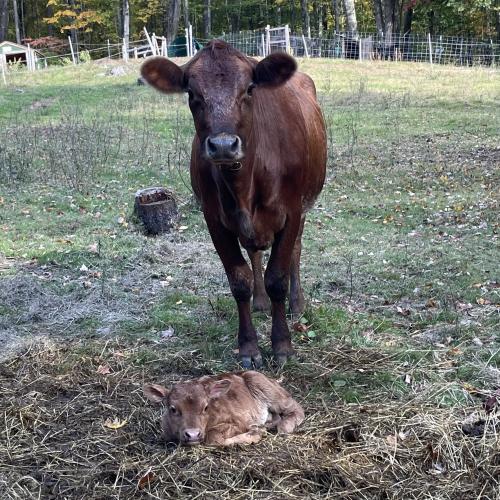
x=404, y=237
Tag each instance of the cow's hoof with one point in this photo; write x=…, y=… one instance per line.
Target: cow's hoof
x=282, y=357
x=249, y=362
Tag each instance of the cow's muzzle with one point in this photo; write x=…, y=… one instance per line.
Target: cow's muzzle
x=224, y=148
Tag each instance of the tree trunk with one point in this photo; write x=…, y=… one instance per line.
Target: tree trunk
x=388, y=20
x=4, y=19
x=431, y=22
x=335, y=7
x=185, y=12
x=126, y=22
x=171, y=24
x=22, y=24
x=350, y=13
x=16, y=21
x=408, y=18
x=379, y=18
x=207, y=19
x=306, y=28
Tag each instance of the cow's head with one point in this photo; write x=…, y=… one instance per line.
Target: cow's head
x=221, y=84
x=188, y=406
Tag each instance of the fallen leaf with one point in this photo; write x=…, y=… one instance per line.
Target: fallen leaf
x=492, y=402
x=84, y=268
x=392, y=440
x=403, y=312
x=482, y=301
x=300, y=327
x=167, y=334
x=93, y=248
x=103, y=369
x=146, y=479
x=114, y=424
x=178, y=302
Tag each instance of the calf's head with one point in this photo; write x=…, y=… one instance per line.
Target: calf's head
x=187, y=408
x=221, y=83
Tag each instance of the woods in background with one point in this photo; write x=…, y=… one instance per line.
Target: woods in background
x=95, y=21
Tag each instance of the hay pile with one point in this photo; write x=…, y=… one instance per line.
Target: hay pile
x=59, y=405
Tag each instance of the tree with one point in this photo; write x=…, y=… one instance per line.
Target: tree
x=207, y=21
x=4, y=19
x=126, y=23
x=306, y=27
x=16, y=21
x=335, y=9
x=350, y=13
x=171, y=24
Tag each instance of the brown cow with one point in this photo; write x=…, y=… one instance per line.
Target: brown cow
x=258, y=163
x=227, y=409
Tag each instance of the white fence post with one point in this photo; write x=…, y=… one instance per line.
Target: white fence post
x=187, y=42
x=263, y=45
x=3, y=66
x=71, y=48
x=430, y=47
x=191, y=44
x=305, y=46
x=268, y=40
x=109, y=50
x=287, y=39
x=152, y=47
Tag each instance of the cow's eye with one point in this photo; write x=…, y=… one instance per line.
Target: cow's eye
x=173, y=410
x=250, y=88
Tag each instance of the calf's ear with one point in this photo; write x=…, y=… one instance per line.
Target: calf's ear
x=274, y=70
x=163, y=75
x=219, y=388
x=155, y=393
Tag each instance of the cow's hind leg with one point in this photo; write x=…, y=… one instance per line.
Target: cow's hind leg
x=296, y=299
x=276, y=279
x=240, y=279
x=261, y=301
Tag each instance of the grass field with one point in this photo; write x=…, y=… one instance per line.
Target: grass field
x=399, y=365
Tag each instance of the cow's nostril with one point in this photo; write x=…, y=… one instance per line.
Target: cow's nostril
x=212, y=148
x=235, y=144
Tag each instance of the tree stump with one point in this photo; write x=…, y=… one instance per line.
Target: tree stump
x=157, y=209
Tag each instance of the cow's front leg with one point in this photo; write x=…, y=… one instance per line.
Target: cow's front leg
x=260, y=298
x=276, y=279
x=240, y=279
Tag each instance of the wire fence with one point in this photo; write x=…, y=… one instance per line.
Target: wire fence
x=437, y=49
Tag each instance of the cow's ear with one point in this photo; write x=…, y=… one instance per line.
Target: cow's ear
x=219, y=388
x=155, y=393
x=163, y=75
x=275, y=69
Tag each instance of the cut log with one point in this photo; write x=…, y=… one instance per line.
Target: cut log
x=157, y=209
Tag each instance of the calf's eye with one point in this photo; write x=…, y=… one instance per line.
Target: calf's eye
x=250, y=89
x=173, y=410
x=205, y=409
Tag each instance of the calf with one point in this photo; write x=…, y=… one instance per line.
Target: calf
x=227, y=409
